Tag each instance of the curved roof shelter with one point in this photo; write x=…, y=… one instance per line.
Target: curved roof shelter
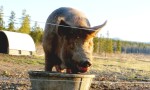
x=15, y=43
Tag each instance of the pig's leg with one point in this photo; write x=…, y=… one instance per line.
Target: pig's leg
x=52, y=60
x=49, y=61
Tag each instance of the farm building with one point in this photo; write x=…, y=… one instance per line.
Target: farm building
x=14, y=43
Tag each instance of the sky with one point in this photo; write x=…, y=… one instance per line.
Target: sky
x=126, y=19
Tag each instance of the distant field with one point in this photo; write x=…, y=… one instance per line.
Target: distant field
x=110, y=68
x=124, y=67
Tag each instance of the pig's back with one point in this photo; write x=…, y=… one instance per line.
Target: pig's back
x=71, y=16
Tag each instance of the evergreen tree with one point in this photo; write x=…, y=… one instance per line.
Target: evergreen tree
x=25, y=27
x=23, y=13
x=101, y=45
x=36, y=33
x=1, y=18
x=11, y=26
x=95, y=41
x=118, y=46
x=109, y=46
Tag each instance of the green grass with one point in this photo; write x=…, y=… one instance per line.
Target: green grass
x=129, y=69
x=130, y=64
x=33, y=60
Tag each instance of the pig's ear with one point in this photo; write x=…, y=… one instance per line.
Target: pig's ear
x=63, y=28
x=94, y=30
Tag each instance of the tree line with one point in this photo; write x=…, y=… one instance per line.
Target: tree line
x=107, y=45
x=36, y=32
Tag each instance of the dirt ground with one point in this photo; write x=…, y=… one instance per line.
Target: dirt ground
x=14, y=74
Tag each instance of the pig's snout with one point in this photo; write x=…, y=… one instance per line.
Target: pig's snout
x=85, y=64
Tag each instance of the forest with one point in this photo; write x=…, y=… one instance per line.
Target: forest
x=102, y=45
x=108, y=45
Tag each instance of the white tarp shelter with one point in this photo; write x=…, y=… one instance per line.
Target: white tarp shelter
x=15, y=43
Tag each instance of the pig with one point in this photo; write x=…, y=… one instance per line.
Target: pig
x=68, y=41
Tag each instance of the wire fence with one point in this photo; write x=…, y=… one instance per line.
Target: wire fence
x=54, y=24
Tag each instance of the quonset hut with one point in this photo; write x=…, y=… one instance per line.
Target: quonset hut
x=14, y=43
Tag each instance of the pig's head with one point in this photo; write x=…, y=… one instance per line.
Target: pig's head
x=77, y=46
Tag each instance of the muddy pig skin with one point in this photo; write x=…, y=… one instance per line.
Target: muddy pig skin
x=68, y=41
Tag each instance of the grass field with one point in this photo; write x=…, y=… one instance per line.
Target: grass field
x=124, y=67
x=111, y=68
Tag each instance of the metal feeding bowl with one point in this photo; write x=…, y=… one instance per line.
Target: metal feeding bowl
x=42, y=80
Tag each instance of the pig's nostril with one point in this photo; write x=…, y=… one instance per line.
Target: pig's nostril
x=86, y=64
